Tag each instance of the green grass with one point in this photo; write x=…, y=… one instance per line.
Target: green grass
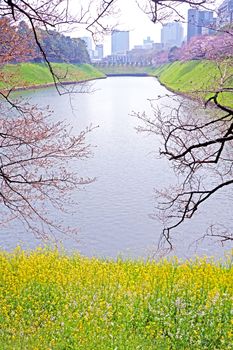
x=32, y=74
x=50, y=300
x=197, y=78
x=121, y=69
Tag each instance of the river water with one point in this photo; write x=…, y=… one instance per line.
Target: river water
x=114, y=213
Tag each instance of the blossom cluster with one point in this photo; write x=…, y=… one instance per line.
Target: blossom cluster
x=203, y=47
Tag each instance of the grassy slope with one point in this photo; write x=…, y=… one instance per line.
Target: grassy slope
x=122, y=69
x=189, y=77
x=32, y=74
x=54, y=301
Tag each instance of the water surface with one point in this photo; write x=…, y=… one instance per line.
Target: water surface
x=114, y=212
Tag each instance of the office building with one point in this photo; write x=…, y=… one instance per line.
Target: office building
x=172, y=34
x=225, y=13
x=99, y=51
x=199, y=23
x=120, y=42
x=88, y=42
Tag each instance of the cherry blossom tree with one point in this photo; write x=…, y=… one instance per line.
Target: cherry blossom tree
x=35, y=162
x=197, y=143
x=35, y=151
x=10, y=38
x=211, y=47
x=200, y=150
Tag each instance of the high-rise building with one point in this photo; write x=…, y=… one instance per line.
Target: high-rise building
x=99, y=49
x=172, y=34
x=88, y=42
x=120, y=42
x=199, y=23
x=225, y=13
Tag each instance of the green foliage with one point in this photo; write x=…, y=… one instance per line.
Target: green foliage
x=50, y=300
x=36, y=74
x=61, y=48
x=197, y=78
x=18, y=44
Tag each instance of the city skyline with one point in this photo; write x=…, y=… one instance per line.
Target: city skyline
x=132, y=42
x=138, y=33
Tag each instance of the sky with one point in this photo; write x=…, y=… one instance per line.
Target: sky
x=133, y=19
x=130, y=18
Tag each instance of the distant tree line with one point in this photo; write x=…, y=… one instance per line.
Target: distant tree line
x=18, y=45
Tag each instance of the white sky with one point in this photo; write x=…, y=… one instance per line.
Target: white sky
x=133, y=19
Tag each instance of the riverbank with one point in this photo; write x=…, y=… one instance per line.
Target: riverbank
x=197, y=78
x=127, y=75
x=123, y=70
x=35, y=75
x=51, y=300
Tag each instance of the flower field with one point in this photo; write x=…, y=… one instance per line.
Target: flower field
x=50, y=300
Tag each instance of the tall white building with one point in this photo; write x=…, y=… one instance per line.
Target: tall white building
x=172, y=34
x=120, y=42
x=99, y=51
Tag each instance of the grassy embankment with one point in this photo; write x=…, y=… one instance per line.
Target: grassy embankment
x=35, y=74
x=122, y=69
x=192, y=76
x=59, y=302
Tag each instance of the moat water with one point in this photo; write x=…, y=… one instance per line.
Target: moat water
x=114, y=212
